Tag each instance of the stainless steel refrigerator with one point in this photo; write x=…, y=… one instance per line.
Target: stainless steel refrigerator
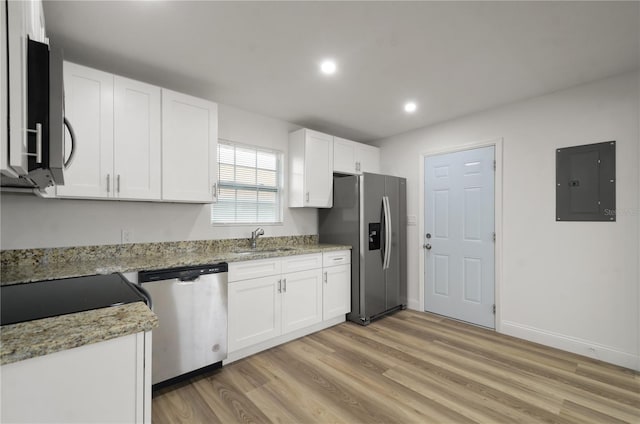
x=369, y=213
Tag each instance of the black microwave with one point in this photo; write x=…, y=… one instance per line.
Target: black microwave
x=45, y=120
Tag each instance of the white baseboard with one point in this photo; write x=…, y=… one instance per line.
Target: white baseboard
x=572, y=344
x=413, y=304
x=268, y=344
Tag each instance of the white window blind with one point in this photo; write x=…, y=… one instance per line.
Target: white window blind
x=248, y=185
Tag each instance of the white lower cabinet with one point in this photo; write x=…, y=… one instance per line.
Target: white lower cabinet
x=301, y=299
x=104, y=382
x=336, y=293
x=288, y=300
x=254, y=311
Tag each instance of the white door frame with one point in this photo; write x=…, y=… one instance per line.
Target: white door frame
x=497, y=211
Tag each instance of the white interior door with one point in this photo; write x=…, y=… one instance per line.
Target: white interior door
x=459, y=235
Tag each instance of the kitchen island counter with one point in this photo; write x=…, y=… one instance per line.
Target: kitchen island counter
x=31, y=339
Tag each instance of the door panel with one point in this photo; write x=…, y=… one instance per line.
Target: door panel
x=254, y=311
x=459, y=217
x=318, y=162
x=301, y=299
x=189, y=148
x=88, y=103
x=392, y=274
x=137, y=139
x=372, y=291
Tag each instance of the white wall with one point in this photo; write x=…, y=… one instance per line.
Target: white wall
x=30, y=222
x=571, y=285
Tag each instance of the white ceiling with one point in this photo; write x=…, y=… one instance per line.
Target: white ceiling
x=452, y=58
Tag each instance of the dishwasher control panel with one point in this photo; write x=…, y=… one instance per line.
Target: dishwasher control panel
x=187, y=273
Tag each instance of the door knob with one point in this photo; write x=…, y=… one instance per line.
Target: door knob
x=427, y=246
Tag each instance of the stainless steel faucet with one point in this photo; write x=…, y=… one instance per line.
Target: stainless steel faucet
x=254, y=236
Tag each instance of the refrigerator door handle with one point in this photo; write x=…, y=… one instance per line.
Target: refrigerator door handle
x=387, y=233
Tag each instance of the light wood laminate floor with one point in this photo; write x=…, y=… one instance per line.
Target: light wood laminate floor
x=410, y=367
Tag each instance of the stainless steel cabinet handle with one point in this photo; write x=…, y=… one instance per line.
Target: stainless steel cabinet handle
x=307, y=196
x=284, y=285
x=279, y=286
x=214, y=191
x=325, y=277
x=118, y=183
x=108, y=183
x=38, y=133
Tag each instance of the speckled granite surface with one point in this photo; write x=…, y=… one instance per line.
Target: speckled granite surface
x=44, y=336
x=36, y=338
x=47, y=264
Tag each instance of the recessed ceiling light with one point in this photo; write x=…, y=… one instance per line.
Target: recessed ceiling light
x=328, y=67
x=410, y=107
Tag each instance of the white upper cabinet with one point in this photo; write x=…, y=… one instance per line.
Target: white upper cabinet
x=117, y=127
x=350, y=157
x=310, y=169
x=189, y=148
x=89, y=109
x=344, y=156
x=136, y=140
x=367, y=158
x=24, y=20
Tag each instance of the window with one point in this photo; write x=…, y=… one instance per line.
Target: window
x=248, y=185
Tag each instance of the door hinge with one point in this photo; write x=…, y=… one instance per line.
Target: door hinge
x=494, y=237
x=494, y=309
x=494, y=165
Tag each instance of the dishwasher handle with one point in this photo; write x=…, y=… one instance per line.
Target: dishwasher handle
x=189, y=277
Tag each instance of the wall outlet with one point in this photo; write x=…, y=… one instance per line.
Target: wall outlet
x=126, y=236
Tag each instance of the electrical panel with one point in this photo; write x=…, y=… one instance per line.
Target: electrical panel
x=586, y=182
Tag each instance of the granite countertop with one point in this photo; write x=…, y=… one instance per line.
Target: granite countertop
x=11, y=274
x=44, y=336
x=41, y=337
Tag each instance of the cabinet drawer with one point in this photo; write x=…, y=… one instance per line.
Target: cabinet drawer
x=301, y=262
x=253, y=269
x=339, y=257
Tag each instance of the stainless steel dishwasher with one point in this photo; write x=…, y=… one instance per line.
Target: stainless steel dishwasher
x=191, y=305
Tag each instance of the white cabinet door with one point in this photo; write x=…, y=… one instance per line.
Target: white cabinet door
x=95, y=383
x=336, y=292
x=310, y=169
x=136, y=140
x=189, y=148
x=344, y=156
x=318, y=162
x=89, y=108
x=350, y=157
x=254, y=311
x=368, y=158
x=301, y=299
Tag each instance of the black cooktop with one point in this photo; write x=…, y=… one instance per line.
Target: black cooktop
x=44, y=299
